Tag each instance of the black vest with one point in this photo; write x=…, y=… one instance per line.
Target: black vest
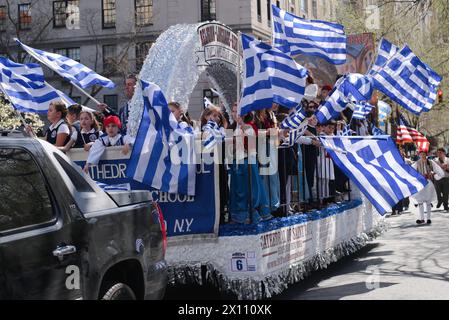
x=119, y=143
x=85, y=138
x=52, y=135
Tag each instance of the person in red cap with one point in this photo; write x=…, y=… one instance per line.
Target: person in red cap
x=112, y=138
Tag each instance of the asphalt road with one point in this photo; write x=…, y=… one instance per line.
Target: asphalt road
x=406, y=262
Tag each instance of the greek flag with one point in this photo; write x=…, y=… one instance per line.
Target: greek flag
x=294, y=135
x=163, y=156
x=294, y=120
x=361, y=110
x=378, y=132
x=385, y=51
x=294, y=35
x=353, y=87
x=270, y=76
x=347, y=131
x=334, y=104
x=24, y=85
x=114, y=187
x=69, y=69
x=375, y=165
x=357, y=87
x=408, y=81
x=214, y=134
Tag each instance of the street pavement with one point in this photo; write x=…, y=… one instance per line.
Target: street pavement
x=406, y=262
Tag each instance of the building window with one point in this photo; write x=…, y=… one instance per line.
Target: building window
x=111, y=100
x=72, y=53
x=141, y=53
x=269, y=12
x=208, y=10
x=291, y=5
x=3, y=15
x=109, y=57
x=278, y=4
x=60, y=12
x=305, y=6
x=144, y=12
x=25, y=16
x=209, y=94
x=109, y=13
x=315, y=9
x=259, y=11
x=76, y=99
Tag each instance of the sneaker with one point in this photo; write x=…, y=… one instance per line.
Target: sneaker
x=393, y=213
x=419, y=221
x=429, y=221
x=439, y=204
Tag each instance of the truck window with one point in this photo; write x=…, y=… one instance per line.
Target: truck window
x=24, y=198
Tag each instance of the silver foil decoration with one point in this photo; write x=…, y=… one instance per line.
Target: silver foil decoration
x=249, y=289
x=172, y=64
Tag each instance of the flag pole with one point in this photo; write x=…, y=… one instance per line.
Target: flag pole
x=239, y=34
x=18, y=114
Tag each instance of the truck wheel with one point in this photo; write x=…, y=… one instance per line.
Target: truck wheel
x=119, y=291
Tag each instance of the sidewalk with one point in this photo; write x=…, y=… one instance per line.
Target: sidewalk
x=406, y=262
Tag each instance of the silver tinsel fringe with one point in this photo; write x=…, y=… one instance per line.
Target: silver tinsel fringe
x=250, y=289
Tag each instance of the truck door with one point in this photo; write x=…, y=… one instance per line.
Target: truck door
x=38, y=259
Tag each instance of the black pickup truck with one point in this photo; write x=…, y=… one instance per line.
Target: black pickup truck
x=63, y=237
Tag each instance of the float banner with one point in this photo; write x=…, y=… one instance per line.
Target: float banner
x=187, y=217
x=276, y=252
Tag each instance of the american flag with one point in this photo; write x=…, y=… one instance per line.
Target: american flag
x=406, y=134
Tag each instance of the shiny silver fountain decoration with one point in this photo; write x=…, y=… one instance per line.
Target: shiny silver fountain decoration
x=172, y=63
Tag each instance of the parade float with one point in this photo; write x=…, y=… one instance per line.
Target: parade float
x=254, y=261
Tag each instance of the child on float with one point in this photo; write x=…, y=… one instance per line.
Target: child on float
x=112, y=138
x=214, y=114
x=73, y=116
x=89, y=132
x=182, y=117
x=244, y=162
x=428, y=168
x=58, y=134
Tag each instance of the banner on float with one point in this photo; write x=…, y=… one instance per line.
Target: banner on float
x=187, y=217
x=258, y=255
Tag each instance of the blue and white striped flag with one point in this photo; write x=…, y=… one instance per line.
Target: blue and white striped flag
x=295, y=35
x=114, y=187
x=353, y=87
x=385, y=51
x=294, y=135
x=378, y=132
x=347, y=131
x=375, y=165
x=214, y=134
x=25, y=87
x=333, y=106
x=357, y=87
x=270, y=76
x=69, y=69
x=294, y=120
x=362, y=110
x=163, y=156
x=408, y=81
